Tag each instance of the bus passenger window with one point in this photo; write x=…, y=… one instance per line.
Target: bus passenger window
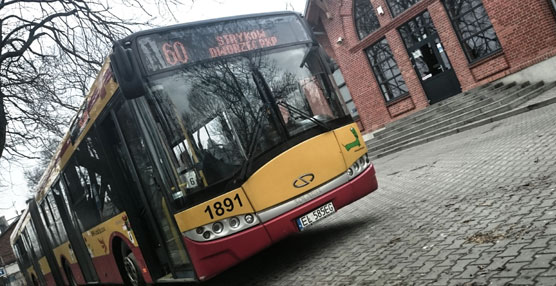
x=21, y=252
x=48, y=221
x=90, y=184
x=81, y=197
x=33, y=242
x=58, y=224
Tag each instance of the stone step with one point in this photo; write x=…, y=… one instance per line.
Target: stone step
x=453, y=127
x=448, y=104
x=454, y=117
x=473, y=102
x=478, y=106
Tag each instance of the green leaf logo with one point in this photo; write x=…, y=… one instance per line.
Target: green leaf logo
x=355, y=143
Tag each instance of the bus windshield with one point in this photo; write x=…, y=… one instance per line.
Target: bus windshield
x=218, y=115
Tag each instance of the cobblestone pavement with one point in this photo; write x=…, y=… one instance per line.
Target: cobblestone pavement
x=475, y=208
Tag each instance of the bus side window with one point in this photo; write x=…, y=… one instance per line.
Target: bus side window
x=58, y=224
x=48, y=221
x=33, y=242
x=22, y=252
x=90, y=184
x=81, y=198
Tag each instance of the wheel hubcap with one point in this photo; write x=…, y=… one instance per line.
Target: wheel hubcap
x=131, y=271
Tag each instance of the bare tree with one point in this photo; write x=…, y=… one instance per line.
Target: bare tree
x=34, y=174
x=50, y=51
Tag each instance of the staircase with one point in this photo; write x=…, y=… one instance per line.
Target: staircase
x=448, y=116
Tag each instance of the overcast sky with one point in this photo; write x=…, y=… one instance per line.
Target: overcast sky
x=13, y=195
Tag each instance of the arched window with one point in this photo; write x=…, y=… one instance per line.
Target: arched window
x=365, y=18
x=399, y=6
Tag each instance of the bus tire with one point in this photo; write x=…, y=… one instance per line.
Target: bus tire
x=69, y=273
x=132, y=275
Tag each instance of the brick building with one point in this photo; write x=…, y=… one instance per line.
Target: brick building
x=10, y=274
x=399, y=56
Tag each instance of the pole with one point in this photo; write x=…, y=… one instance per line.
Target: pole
x=3, y=279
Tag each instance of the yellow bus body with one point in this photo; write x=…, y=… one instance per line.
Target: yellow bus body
x=324, y=156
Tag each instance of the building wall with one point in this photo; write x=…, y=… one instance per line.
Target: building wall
x=8, y=257
x=6, y=251
x=526, y=30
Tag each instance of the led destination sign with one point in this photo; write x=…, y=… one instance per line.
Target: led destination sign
x=187, y=45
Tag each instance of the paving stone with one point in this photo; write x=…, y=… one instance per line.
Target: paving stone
x=541, y=261
x=512, y=250
x=546, y=281
x=525, y=255
x=511, y=270
x=473, y=207
x=526, y=277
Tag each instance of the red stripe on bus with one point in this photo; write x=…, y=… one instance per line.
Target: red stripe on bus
x=107, y=269
x=284, y=225
x=211, y=258
x=49, y=279
x=77, y=274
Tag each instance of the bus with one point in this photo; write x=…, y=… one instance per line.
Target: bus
x=198, y=146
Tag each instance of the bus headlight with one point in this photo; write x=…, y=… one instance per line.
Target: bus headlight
x=234, y=222
x=358, y=166
x=217, y=227
x=222, y=228
x=249, y=218
x=206, y=235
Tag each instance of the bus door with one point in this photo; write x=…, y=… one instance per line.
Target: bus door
x=74, y=236
x=140, y=164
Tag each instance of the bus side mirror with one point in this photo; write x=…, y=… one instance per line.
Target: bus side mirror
x=126, y=71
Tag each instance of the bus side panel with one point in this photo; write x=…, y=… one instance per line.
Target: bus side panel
x=30, y=274
x=284, y=225
x=63, y=251
x=107, y=269
x=138, y=255
x=47, y=272
x=77, y=274
x=213, y=257
x=99, y=240
x=49, y=278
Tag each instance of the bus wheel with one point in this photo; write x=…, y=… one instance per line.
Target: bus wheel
x=132, y=275
x=69, y=274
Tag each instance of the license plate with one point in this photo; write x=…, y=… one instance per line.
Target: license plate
x=315, y=215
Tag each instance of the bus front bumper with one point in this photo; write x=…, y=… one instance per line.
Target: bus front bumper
x=213, y=257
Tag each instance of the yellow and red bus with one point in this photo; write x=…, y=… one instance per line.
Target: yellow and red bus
x=198, y=146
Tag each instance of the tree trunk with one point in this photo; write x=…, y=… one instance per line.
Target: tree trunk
x=3, y=124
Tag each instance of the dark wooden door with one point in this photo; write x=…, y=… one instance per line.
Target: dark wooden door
x=434, y=70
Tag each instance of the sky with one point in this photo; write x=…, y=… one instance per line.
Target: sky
x=15, y=191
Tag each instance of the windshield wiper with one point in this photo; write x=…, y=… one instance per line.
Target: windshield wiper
x=252, y=144
x=303, y=114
